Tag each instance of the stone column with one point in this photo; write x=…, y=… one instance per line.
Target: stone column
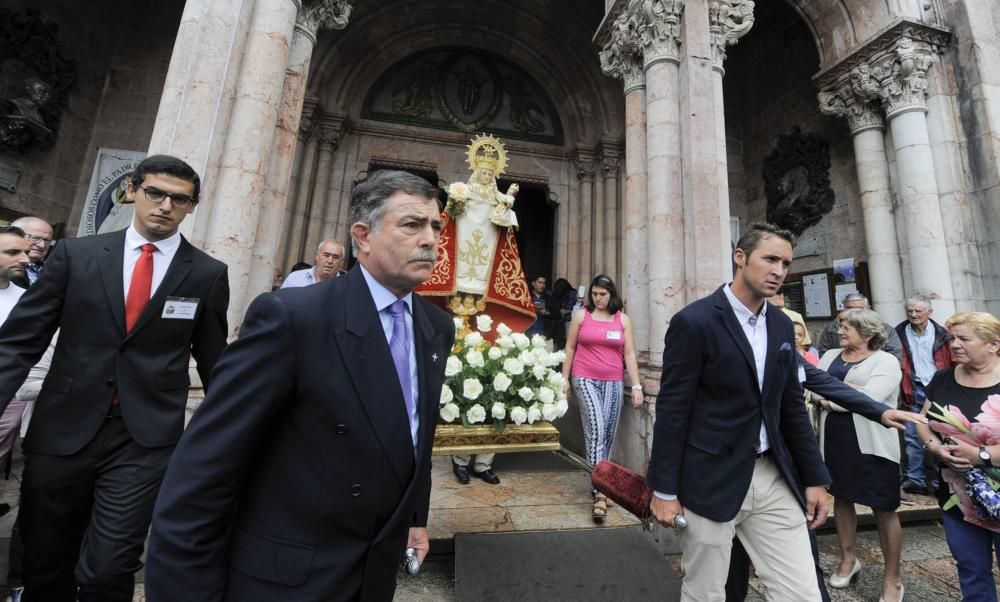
x=621, y=57
x=296, y=229
x=864, y=117
x=901, y=84
x=331, y=129
x=665, y=203
x=598, y=230
x=610, y=164
x=312, y=16
x=198, y=93
x=232, y=229
x=584, y=162
x=728, y=21
x=305, y=153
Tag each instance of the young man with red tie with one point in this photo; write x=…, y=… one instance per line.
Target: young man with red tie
x=132, y=307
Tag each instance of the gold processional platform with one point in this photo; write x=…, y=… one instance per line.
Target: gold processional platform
x=456, y=439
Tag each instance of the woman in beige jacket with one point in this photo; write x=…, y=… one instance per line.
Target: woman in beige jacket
x=863, y=456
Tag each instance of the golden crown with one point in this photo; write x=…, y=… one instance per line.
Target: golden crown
x=487, y=151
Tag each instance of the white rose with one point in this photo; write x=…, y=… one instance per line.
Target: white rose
x=518, y=414
x=494, y=353
x=475, y=358
x=539, y=371
x=555, y=379
x=534, y=414
x=471, y=388
x=521, y=340
x=446, y=394
x=526, y=394
x=563, y=406
x=449, y=412
x=453, y=366
x=504, y=330
x=538, y=341
x=513, y=365
x=546, y=395
x=472, y=339
x=476, y=413
x=484, y=323
x=549, y=411
x=499, y=411
x=459, y=324
x=458, y=190
x=526, y=357
x=501, y=381
x=505, y=342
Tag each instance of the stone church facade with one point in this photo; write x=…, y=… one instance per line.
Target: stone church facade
x=643, y=133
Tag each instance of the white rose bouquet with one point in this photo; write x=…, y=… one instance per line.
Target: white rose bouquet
x=458, y=195
x=514, y=379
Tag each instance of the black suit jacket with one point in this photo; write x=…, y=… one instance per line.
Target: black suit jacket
x=297, y=478
x=81, y=293
x=710, y=407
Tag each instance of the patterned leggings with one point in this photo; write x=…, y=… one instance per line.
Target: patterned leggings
x=600, y=408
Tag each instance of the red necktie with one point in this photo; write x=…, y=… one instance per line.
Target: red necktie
x=139, y=289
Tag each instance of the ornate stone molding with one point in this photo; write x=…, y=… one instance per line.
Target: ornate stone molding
x=728, y=21
x=861, y=112
x=660, y=29
x=310, y=113
x=585, y=162
x=322, y=14
x=622, y=54
x=611, y=152
x=891, y=68
x=331, y=130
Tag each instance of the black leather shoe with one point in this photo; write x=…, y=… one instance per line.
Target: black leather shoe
x=489, y=476
x=911, y=487
x=461, y=473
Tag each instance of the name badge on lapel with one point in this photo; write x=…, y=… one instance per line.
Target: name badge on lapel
x=802, y=374
x=179, y=308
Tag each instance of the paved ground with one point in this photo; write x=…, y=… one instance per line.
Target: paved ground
x=542, y=493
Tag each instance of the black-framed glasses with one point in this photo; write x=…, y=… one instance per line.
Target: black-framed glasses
x=155, y=195
x=38, y=240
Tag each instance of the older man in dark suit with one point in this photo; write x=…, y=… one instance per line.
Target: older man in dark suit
x=732, y=441
x=305, y=473
x=132, y=307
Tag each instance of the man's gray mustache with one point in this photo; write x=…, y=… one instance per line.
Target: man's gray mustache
x=423, y=256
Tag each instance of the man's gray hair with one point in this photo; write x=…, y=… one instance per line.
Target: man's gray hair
x=918, y=299
x=856, y=297
x=27, y=220
x=368, y=200
x=319, y=247
x=868, y=324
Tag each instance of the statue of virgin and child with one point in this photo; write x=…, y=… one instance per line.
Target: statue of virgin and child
x=478, y=268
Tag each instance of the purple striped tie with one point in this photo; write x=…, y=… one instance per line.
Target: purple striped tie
x=400, y=347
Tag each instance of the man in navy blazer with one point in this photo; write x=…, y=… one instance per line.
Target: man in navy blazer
x=732, y=441
x=305, y=473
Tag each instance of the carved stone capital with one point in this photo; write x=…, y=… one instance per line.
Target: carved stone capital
x=331, y=130
x=585, y=161
x=322, y=14
x=728, y=21
x=891, y=68
x=862, y=113
x=310, y=113
x=611, y=153
x=622, y=54
x=659, y=29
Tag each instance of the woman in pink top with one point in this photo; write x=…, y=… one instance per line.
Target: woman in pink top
x=599, y=348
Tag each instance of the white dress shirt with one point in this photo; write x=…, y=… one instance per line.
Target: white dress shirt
x=755, y=329
x=8, y=299
x=383, y=298
x=300, y=278
x=162, y=256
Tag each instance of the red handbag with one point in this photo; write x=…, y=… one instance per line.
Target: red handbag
x=627, y=488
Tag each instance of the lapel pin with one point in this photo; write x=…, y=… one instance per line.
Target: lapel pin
x=434, y=357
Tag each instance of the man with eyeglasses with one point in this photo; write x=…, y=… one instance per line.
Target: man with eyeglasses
x=329, y=259
x=38, y=233
x=131, y=307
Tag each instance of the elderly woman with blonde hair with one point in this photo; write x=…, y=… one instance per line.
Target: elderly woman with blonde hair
x=863, y=456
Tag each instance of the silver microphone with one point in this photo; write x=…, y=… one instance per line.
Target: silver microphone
x=412, y=561
x=680, y=522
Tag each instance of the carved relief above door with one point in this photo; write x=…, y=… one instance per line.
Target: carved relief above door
x=465, y=89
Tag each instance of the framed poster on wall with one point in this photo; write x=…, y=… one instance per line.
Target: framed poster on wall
x=811, y=293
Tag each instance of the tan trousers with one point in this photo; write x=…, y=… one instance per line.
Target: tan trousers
x=482, y=461
x=772, y=527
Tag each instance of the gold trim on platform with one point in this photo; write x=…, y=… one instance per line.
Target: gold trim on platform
x=451, y=439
